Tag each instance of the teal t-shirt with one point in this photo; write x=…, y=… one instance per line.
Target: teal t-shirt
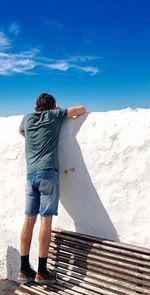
x=41, y=138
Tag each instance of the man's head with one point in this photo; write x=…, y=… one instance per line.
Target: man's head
x=45, y=102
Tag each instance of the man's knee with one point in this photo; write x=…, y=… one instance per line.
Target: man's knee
x=46, y=221
x=30, y=220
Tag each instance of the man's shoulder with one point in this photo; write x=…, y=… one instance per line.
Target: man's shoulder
x=27, y=115
x=60, y=114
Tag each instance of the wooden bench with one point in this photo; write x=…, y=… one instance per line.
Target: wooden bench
x=89, y=265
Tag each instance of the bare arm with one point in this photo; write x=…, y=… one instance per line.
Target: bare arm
x=22, y=133
x=76, y=111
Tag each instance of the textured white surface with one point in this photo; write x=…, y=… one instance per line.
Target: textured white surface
x=104, y=177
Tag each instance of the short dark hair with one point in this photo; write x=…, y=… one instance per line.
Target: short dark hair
x=45, y=102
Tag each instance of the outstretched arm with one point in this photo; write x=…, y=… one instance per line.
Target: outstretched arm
x=76, y=111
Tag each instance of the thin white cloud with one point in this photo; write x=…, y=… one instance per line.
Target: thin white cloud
x=65, y=66
x=15, y=63
x=88, y=69
x=4, y=41
x=32, y=53
x=62, y=66
x=81, y=58
x=27, y=61
x=15, y=29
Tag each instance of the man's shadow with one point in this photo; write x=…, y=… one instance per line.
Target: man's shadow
x=78, y=194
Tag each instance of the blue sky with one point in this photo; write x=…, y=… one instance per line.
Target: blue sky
x=95, y=53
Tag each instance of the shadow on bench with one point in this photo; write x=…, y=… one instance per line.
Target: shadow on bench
x=89, y=265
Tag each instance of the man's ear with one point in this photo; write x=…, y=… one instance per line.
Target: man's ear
x=57, y=107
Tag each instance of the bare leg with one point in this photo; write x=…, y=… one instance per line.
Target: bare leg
x=44, y=276
x=26, y=234
x=45, y=236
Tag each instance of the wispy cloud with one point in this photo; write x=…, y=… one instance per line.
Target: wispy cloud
x=81, y=58
x=88, y=69
x=4, y=41
x=62, y=66
x=65, y=66
x=28, y=62
x=16, y=63
x=15, y=29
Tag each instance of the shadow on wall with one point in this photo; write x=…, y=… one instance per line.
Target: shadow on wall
x=78, y=194
x=13, y=263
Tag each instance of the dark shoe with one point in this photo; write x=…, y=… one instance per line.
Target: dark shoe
x=26, y=276
x=49, y=278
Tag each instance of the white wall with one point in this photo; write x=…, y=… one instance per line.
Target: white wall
x=104, y=176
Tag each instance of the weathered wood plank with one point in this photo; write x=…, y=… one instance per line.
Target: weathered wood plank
x=104, y=285
x=101, y=267
x=92, y=239
x=27, y=290
x=103, y=281
x=50, y=290
x=76, y=271
x=98, y=248
x=84, y=291
x=97, y=256
x=71, y=289
x=92, y=266
x=94, y=254
x=85, y=261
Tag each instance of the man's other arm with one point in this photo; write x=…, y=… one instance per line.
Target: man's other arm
x=22, y=133
x=76, y=111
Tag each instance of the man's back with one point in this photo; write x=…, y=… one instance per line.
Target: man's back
x=41, y=138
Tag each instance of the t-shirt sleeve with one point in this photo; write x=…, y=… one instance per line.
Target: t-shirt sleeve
x=21, y=127
x=62, y=115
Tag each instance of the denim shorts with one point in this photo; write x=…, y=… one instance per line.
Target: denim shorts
x=42, y=193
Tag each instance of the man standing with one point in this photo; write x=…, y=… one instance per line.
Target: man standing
x=41, y=131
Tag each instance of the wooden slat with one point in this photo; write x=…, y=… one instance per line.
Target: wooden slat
x=98, y=254
x=92, y=266
x=58, y=287
x=71, y=288
x=85, y=261
x=81, y=290
x=27, y=290
x=61, y=287
x=92, y=239
x=75, y=250
x=134, y=278
x=104, y=285
x=103, y=281
x=137, y=278
x=116, y=258
x=104, y=265
x=49, y=290
x=97, y=248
